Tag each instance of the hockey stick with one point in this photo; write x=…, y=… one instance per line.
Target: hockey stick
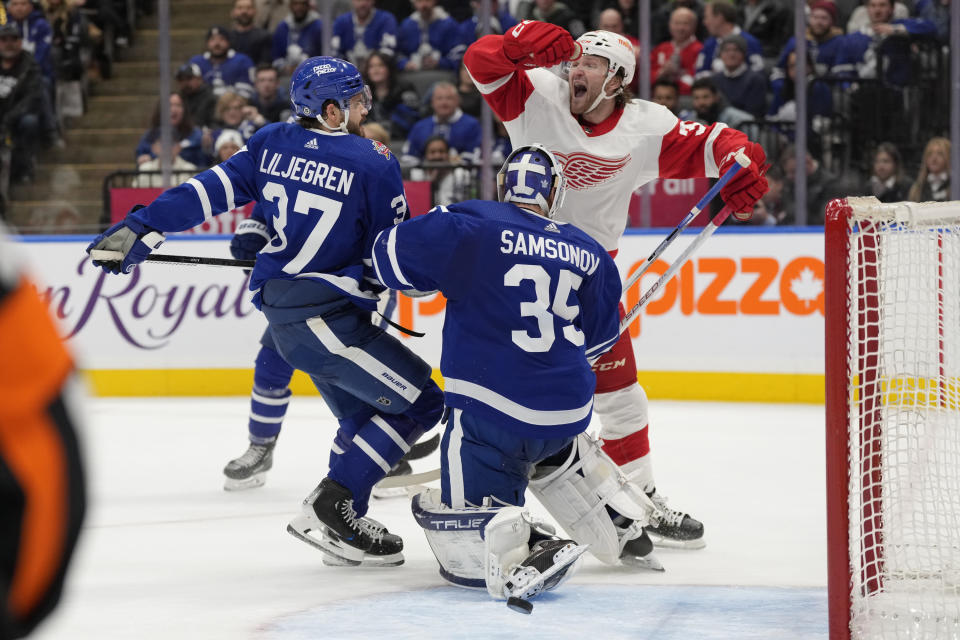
x=741, y=161
x=679, y=262
x=101, y=255
x=392, y=482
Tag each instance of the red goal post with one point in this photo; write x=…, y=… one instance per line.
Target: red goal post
x=893, y=418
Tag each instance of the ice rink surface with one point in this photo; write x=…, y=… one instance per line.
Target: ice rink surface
x=166, y=553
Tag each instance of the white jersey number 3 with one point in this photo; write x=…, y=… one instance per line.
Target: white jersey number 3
x=541, y=309
x=305, y=203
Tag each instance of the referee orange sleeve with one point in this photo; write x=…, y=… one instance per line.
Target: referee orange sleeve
x=39, y=450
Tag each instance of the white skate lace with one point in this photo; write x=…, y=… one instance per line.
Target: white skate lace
x=372, y=528
x=669, y=517
x=349, y=515
x=251, y=456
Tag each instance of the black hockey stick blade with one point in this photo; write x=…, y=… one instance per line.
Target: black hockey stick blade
x=101, y=255
x=423, y=448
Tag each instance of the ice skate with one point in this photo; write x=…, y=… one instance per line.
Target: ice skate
x=328, y=522
x=675, y=529
x=249, y=471
x=386, y=551
x=637, y=552
x=550, y=563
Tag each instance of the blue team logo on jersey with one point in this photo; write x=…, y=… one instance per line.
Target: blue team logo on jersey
x=381, y=148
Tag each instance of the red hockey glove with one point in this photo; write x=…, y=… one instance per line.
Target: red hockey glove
x=748, y=185
x=547, y=43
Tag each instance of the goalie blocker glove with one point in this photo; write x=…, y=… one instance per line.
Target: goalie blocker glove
x=133, y=239
x=538, y=44
x=749, y=185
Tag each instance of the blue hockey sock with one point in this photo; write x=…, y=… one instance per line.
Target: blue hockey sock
x=380, y=442
x=270, y=395
x=377, y=446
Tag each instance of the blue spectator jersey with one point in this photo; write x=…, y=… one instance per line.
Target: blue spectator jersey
x=325, y=196
x=470, y=28
x=307, y=34
x=191, y=146
x=37, y=39
x=462, y=132
x=235, y=73
x=354, y=42
x=440, y=37
x=709, y=59
x=531, y=302
x=744, y=89
x=862, y=52
x=824, y=54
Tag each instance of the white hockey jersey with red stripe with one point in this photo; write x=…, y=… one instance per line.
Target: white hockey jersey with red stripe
x=603, y=163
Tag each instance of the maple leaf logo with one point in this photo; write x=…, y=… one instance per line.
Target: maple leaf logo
x=807, y=287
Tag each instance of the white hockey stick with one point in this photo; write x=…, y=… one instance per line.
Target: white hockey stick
x=679, y=262
x=393, y=482
x=741, y=161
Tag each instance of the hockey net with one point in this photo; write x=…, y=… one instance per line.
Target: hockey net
x=893, y=418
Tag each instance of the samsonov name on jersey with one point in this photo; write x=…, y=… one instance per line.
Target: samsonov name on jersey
x=533, y=245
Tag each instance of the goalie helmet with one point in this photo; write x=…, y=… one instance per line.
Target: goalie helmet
x=529, y=175
x=323, y=78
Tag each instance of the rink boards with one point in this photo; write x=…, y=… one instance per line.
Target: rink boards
x=742, y=321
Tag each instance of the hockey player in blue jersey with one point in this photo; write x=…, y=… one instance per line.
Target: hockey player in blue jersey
x=270, y=395
x=327, y=193
x=531, y=303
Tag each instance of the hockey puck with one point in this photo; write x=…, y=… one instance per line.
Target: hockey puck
x=520, y=605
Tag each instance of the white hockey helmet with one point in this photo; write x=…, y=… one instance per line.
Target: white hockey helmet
x=619, y=54
x=615, y=48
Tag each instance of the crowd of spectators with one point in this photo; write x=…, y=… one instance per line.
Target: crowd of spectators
x=876, y=73
x=48, y=49
x=721, y=60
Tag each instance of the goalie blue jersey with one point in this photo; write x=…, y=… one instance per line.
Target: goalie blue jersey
x=530, y=303
x=325, y=197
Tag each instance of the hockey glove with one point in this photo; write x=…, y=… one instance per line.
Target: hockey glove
x=748, y=185
x=251, y=236
x=538, y=44
x=132, y=239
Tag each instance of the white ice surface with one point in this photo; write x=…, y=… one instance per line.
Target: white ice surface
x=166, y=553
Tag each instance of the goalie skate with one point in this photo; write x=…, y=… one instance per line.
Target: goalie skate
x=676, y=529
x=249, y=471
x=549, y=564
x=328, y=522
x=638, y=553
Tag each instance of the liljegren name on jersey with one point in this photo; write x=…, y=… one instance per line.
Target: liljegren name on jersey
x=307, y=171
x=533, y=245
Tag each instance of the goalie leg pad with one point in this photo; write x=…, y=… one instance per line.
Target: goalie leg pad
x=455, y=536
x=578, y=491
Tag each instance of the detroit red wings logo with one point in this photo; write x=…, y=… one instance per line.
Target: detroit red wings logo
x=584, y=170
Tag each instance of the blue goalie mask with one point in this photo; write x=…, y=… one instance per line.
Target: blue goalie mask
x=323, y=78
x=531, y=175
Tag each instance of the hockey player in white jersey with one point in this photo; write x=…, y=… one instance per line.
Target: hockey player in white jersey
x=609, y=146
x=530, y=303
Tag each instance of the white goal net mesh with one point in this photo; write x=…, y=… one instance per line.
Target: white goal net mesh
x=904, y=419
